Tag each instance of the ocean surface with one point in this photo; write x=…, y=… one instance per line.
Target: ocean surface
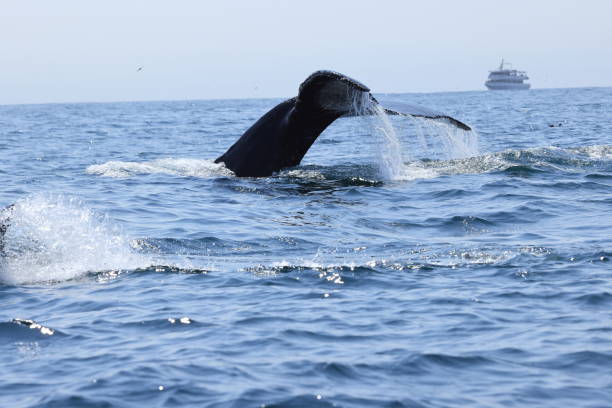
x=419, y=267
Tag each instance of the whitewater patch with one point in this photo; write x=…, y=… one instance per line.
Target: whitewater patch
x=547, y=158
x=422, y=258
x=53, y=238
x=598, y=152
x=177, y=167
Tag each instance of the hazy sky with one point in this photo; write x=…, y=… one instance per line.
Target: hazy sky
x=75, y=50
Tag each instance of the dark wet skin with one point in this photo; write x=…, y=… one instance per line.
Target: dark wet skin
x=281, y=137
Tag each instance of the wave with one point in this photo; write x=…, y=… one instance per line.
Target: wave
x=520, y=163
x=365, y=263
x=600, y=152
x=523, y=162
x=26, y=330
x=53, y=238
x=161, y=323
x=177, y=167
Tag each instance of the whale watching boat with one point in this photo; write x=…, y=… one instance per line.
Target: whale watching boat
x=502, y=79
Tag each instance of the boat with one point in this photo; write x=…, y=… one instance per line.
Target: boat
x=506, y=79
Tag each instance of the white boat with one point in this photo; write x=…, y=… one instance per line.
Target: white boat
x=503, y=79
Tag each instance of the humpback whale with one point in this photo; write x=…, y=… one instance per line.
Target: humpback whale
x=282, y=136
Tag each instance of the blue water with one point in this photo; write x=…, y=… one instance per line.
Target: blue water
x=155, y=278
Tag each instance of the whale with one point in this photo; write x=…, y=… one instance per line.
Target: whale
x=283, y=135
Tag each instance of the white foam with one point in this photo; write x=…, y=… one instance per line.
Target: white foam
x=536, y=156
x=303, y=174
x=53, y=238
x=177, y=167
x=600, y=152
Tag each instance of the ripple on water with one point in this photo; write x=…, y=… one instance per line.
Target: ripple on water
x=462, y=280
x=26, y=330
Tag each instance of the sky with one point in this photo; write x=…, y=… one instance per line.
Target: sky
x=90, y=51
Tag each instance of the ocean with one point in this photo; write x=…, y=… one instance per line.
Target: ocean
x=419, y=267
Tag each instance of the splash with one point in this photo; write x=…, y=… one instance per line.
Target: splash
x=434, y=139
x=601, y=152
x=389, y=155
x=175, y=167
x=442, y=141
x=548, y=158
x=53, y=238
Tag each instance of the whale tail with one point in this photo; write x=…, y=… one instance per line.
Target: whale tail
x=281, y=137
x=331, y=92
x=405, y=109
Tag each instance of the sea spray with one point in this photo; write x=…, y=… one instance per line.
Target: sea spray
x=389, y=155
x=443, y=141
x=427, y=138
x=54, y=238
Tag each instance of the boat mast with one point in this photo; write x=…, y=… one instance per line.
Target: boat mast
x=501, y=66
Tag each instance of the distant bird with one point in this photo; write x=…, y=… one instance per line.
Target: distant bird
x=139, y=69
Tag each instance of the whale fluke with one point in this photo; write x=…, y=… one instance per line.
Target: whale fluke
x=281, y=137
x=405, y=109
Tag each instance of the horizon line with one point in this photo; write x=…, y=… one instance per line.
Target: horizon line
x=277, y=97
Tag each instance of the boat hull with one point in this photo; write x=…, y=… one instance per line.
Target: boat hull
x=506, y=86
